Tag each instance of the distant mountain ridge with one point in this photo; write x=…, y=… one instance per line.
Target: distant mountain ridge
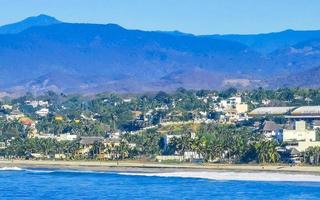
x=42, y=53
x=269, y=42
x=41, y=20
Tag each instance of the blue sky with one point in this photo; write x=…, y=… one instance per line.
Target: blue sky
x=193, y=16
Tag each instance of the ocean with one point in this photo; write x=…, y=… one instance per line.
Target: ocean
x=17, y=183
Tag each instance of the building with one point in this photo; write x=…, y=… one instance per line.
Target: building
x=307, y=113
x=43, y=112
x=300, y=137
x=7, y=107
x=299, y=133
x=66, y=137
x=234, y=100
x=35, y=104
x=264, y=111
x=15, y=115
x=26, y=121
x=86, y=143
x=241, y=108
x=272, y=130
x=44, y=136
x=2, y=145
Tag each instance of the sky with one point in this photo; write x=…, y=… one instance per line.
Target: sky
x=191, y=16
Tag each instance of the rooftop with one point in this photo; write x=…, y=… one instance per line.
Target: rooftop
x=271, y=110
x=90, y=140
x=306, y=110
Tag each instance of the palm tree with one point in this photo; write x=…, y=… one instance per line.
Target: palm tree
x=267, y=152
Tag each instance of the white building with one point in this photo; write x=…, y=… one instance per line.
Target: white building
x=43, y=112
x=35, y=104
x=234, y=100
x=66, y=137
x=7, y=107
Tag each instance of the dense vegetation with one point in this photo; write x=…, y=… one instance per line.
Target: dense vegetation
x=104, y=114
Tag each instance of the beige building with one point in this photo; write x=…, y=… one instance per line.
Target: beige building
x=299, y=133
x=302, y=146
x=241, y=108
x=305, y=138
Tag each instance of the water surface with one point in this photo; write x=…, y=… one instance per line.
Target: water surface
x=61, y=184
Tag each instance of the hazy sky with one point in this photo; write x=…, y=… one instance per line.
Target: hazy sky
x=193, y=16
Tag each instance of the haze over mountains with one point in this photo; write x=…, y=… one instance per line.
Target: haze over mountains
x=41, y=53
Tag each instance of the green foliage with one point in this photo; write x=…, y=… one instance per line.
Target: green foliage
x=312, y=156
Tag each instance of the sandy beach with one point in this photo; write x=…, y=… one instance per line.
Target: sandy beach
x=135, y=166
x=185, y=170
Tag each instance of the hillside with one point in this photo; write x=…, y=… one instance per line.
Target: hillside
x=46, y=54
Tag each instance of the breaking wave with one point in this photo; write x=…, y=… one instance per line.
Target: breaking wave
x=11, y=169
x=236, y=176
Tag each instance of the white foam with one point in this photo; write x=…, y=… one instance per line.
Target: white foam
x=39, y=171
x=22, y=169
x=11, y=169
x=237, y=176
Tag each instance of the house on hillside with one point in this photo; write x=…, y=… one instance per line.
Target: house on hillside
x=15, y=115
x=42, y=112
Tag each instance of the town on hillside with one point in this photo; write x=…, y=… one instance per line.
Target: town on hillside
x=229, y=126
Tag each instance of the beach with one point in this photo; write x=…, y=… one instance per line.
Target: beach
x=223, y=172
x=136, y=166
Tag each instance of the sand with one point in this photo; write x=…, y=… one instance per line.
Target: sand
x=135, y=166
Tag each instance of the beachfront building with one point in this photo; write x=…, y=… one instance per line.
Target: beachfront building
x=299, y=133
x=300, y=137
x=86, y=143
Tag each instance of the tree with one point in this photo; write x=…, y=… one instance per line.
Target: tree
x=312, y=156
x=266, y=151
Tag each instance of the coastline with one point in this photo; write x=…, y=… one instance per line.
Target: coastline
x=154, y=167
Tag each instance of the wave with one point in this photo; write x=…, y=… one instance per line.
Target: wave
x=236, y=176
x=41, y=170
x=11, y=169
x=23, y=169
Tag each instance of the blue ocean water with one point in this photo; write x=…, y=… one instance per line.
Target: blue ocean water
x=60, y=184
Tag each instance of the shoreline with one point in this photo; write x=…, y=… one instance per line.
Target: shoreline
x=154, y=167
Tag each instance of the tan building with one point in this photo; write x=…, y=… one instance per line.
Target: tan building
x=301, y=136
x=241, y=108
x=299, y=133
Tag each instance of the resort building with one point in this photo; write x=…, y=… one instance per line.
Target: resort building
x=299, y=133
x=300, y=137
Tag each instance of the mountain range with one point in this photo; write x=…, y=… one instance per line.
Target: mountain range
x=42, y=53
